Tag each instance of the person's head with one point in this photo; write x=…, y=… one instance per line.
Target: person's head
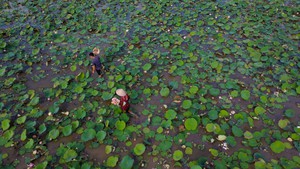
x=96, y=51
x=91, y=55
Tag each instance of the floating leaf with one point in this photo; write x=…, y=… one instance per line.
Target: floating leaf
x=177, y=155
x=5, y=124
x=126, y=163
x=164, y=91
x=248, y=135
x=214, y=91
x=289, y=113
x=282, y=123
x=259, y=110
x=112, y=161
x=88, y=134
x=193, y=89
x=186, y=104
x=67, y=130
x=191, y=124
x=214, y=152
x=213, y=114
x=139, y=149
x=53, y=134
x=189, y=151
x=69, y=155
x=73, y=68
x=147, y=66
x=277, y=146
x=24, y=135
x=170, y=114
x=101, y=135
x=221, y=137
x=245, y=94
x=35, y=51
x=120, y=125
x=237, y=131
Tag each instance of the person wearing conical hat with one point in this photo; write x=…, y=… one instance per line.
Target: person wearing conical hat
x=124, y=100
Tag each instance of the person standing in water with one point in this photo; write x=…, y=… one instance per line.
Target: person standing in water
x=96, y=64
x=123, y=103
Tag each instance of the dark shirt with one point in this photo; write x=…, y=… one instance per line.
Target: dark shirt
x=97, y=63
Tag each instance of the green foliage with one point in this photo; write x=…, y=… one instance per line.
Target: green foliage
x=112, y=161
x=120, y=125
x=277, y=146
x=5, y=124
x=88, y=134
x=177, y=155
x=245, y=94
x=139, y=149
x=170, y=114
x=191, y=124
x=186, y=104
x=164, y=92
x=126, y=163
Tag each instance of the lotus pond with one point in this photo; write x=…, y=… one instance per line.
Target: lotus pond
x=215, y=84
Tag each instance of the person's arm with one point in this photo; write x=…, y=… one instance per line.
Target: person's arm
x=93, y=69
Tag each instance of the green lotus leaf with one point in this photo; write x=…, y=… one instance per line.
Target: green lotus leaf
x=210, y=127
x=35, y=51
x=259, y=110
x=191, y=124
x=282, y=123
x=112, y=161
x=245, y=94
x=126, y=163
x=243, y=156
x=147, y=67
x=5, y=124
x=277, y=146
x=24, y=135
x=2, y=71
x=120, y=125
x=53, y=134
x=164, y=91
x=101, y=135
x=139, y=149
x=213, y=114
x=177, y=155
x=289, y=113
x=21, y=119
x=186, y=104
x=196, y=167
x=29, y=144
x=237, y=131
x=189, y=151
x=67, y=130
x=193, y=89
x=69, y=155
x=88, y=134
x=170, y=114
x=9, y=81
x=248, y=135
x=213, y=152
x=221, y=137
x=214, y=91
x=73, y=68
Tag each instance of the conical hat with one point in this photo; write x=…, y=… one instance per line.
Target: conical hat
x=96, y=51
x=121, y=92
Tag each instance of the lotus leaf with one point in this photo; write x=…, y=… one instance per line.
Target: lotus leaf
x=101, y=135
x=245, y=94
x=2, y=71
x=88, y=134
x=5, y=124
x=53, y=134
x=214, y=91
x=29, y=144
x=193, y=89
x=24, y=135
x=164, y=92
x=248, y=135
x=67, y=130
x=73, y=68
x=259, y=110
x=21, y=119
x=289, y=113
x=213, y=114
x=69, y=155
x=112, y=161
x=196, y=167
x=214, y=152
x=282, y=123
x=170, y=114
x=186, y=104
x=126, y=163
x=120, y=125
x=221, y=137
x=139, y=149
x=277, y=146
x=189, y=151
x=147, y=67
x=177, y=155
x=191, y=124
x=237, y=131
x=108, y=149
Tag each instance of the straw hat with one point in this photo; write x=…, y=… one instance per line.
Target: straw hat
x=121, y=92
x=96, y=51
